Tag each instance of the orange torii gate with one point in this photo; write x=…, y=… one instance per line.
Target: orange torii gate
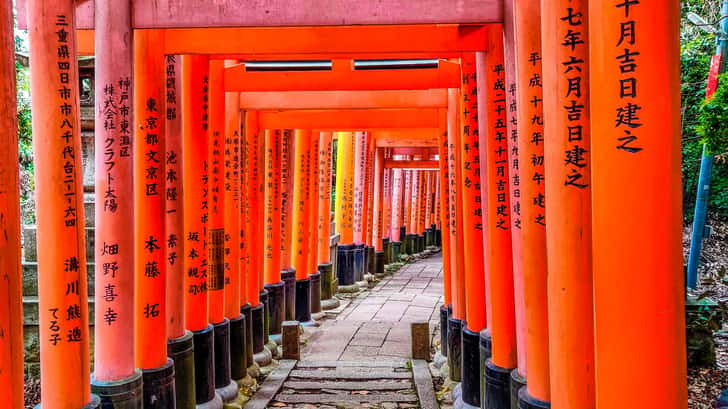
x=638, y=144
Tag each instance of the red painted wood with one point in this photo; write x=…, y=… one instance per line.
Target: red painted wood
x=250, y=13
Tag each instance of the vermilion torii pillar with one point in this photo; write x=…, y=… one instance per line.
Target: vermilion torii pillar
x=533, y=220
x=518, y=375
x=272, y=237
x=313, y=226
x=475, y=297
x=216, y=233
x=254, y=238
x=568, y=187
x=344, y=207
x=497, y=237
x=179, y=342
x=360, y=153
x=301, y=221
x=114, y=367
x=149, y=220
x=288, y=274
x=233, y=218
x=11, y=309
x=635, y=122
x=444, y=182
x=62, y=286
x=457, y=276
x=196, y=199
x=324, y=220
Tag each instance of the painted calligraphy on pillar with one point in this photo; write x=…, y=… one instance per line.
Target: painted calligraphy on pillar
x=498, y=144
x=534, y=139
x=627, y=114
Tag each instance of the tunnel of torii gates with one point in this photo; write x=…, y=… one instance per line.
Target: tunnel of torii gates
x=473, y=123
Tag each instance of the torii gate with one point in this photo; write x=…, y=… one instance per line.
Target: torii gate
x=635, y=133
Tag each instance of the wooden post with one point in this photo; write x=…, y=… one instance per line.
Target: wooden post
x=62, y=286
x=344, y=209
x=475, y=297
x=324, y=208
x=149, y=219
x=195, y=71
x=313, y=218
x=499, y=283
x=509, y=53
x=533, y=221
x=301, y=222
x=11, y=308
x=444, y=183
x=567, y=162
x=272, y=236
x=378, y=198
x=635, y=122
x=359, y=185
x=114, y=197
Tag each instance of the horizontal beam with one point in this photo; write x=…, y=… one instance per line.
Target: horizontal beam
x=407, y=138
x=279, y=13
x=348, y=119
x=412, y=164
x=342, y=78
x=341, y=42
x=421, y=152
x=436, y=98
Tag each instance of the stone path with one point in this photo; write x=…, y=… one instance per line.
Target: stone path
x=359, y=356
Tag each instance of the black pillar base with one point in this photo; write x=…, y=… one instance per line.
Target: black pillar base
x=315, y=292
x=444, y=311
x=485, y=354
x=517, y=382
x=385, y=248
x=238, y=369
x=204, y=365
x=438, y=238
x=263, y=295
x=182, y=352
x=497, y=386
x=379, y=263
x=158, y=386
x=396, y=251
x=121, y=394
x=247, y=311
x=371, y=260
x=471, y=367
x=525, y=401
x=276, y=307
x=258, y=323
x=288, y=277
x=454, y=344
x=327, y=281
x=345, y=264
x=303, y=301
x=359, y=262
x=222, y=353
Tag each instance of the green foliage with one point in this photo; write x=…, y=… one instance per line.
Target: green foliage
x=25, y=137
x=700, y=120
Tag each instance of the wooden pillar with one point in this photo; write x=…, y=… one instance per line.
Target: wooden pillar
x=301, y=222
x=494, y=150
x=387, y=200
x=272, y=189
x=62, y=286
x=149, y=202
x=509, y=52
x=216, y=185
x=232, y=191
x=254, y=220
x=286, y=197
x=114, y=196
x=568, y=187
x=344, y=204
x=194, y=159
x=313, y=202
x=635, y=118
x=11, y=308
x=360, y=164
x=444, y=221
x=378, y=198
x=397, y=192
x=533, y=206
x=324, y=207
x=474, y=272
x=174, y=220
x=456, y=204
x=407, y=201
